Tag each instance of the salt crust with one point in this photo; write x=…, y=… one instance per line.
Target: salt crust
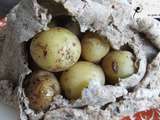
x=110, y=18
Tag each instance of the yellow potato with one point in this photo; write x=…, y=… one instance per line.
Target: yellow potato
x=41, y=89
x=56, y=49
x=74, y=80
x=118, y=64
x=94, y=47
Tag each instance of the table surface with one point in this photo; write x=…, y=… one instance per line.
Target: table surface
x=6, y=5
x=7, y=112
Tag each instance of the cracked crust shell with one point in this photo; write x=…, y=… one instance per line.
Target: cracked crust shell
x=28, y=18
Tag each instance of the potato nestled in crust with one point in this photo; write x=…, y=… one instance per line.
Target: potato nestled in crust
x=94, y=47
x=118, y=64
x=74, y=80
x=56, y=49
x=41, y=89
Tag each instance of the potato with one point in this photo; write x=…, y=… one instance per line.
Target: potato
x=56, y=49
x=118, y=64
x=40, y=89
x=74, y=80
x=94, y=47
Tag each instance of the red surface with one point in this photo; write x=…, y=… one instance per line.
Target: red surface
x=152, y=114
x=2, y=22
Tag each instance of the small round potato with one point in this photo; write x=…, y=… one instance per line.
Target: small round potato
x=41, y=89
x=94, y=47
x=118, y=64
x=74, y=80
x=56, y=49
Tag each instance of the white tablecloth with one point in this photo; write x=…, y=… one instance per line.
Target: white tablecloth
x=7, y=113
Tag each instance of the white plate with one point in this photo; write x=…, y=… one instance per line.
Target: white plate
x=8, y=113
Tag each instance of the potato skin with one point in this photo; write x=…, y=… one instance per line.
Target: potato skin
x=75, y=79
x=41, y=89
x=56, y=49
x=94, y=47
x=118, y=64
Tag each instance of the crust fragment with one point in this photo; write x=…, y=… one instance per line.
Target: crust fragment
x=106, y=17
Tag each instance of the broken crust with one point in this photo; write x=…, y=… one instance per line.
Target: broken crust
x=107, y=18
x=150, y=27
x=114, y=111
x=7, y=88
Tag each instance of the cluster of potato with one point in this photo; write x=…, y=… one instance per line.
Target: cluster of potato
x=80, y=61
